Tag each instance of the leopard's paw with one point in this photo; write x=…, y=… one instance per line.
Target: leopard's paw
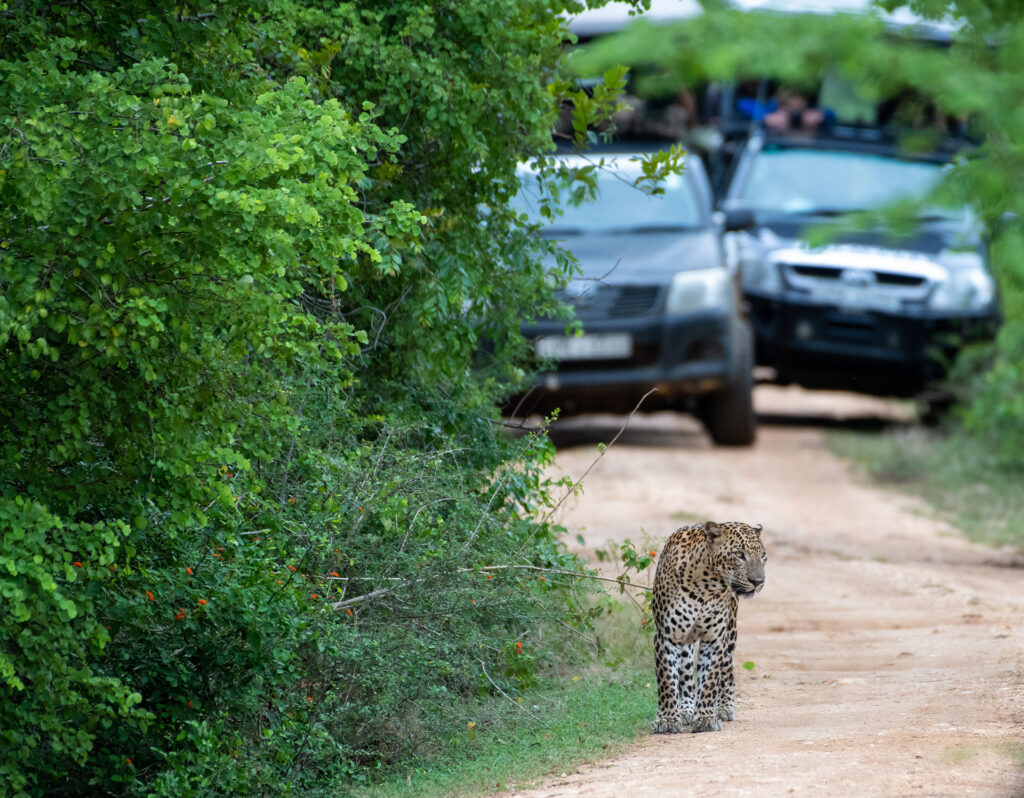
x=668, y=726
x=706, y=724
x=727, y=713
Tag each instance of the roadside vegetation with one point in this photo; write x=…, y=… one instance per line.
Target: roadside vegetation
x=593, y=694
x=957, y=473
x=260, y=297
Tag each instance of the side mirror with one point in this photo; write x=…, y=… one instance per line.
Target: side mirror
x=734, y=219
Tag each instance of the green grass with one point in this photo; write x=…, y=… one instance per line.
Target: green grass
x=956, y=473
x=576, y=714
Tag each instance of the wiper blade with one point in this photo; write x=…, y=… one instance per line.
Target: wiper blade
x=939, y=217
x=561, y=232
x=831, y=212
x=655, y=228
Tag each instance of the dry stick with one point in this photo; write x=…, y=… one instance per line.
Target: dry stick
x=338, y=605
x=553, y=571
x=514, y=703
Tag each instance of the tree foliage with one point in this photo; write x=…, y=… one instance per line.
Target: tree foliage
x=250, y=460
x=978, y=75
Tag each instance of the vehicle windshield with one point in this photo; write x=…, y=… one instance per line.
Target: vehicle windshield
x=619, y=206
x=818, y=181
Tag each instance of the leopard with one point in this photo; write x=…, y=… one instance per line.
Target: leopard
x=702, y=572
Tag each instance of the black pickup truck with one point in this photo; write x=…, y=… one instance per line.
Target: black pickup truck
x=657, y=306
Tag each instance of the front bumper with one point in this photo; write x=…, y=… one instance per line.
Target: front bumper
x=681, y=355
x=866, y=351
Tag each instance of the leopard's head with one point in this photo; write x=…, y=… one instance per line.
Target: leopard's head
x=738, y=555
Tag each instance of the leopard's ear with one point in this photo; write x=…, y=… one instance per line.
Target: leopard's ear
x=757, y=528
x=712, y=531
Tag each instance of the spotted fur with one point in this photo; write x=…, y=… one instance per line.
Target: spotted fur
x=701, y=571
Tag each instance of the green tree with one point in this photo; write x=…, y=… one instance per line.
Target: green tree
x=251, y=459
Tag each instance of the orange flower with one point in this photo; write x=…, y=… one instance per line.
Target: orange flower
x=349, y=611
x=149, y=595
x=278, y=581
x=519, y=647
x=315, y=595
x=188, y=570
x=653, y=553
x=202, y=602
x=127, y=761
x=309, y=698
x=334, y=573
x=541, y=578
x=292, y=568
x=179, y=615
x=490, y=576
x=77, y=564
x=292, y=500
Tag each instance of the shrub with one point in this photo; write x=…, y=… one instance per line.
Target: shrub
x=252, y=466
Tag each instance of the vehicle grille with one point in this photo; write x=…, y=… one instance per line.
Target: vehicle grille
x=835, y=273
x=893, y=285
x=614, y=301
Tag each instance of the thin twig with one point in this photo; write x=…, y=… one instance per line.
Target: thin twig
x=601, y=454
x=578, y=482
x=514, y=703
x=564, y=571
x=487, y=509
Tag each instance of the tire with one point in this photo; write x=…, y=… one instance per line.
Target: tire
x=729, y=414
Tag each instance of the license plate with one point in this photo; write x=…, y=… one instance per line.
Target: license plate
x=853, y=297
x=595, y=346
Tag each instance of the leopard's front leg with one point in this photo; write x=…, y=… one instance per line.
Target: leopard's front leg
x=727, y=707
x=687, y=687
x=709, y=687
x=668, y=659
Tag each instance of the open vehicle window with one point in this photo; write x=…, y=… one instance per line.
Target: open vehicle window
x=816, y=181
x=619, y=206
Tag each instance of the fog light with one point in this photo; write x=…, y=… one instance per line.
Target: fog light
x=804, y=330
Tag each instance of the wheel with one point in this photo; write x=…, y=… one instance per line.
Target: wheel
x=728, y=414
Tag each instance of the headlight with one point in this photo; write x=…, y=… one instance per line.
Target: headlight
x=761, y=276
x=757, y=272
x=700, y=289
x=968, y=285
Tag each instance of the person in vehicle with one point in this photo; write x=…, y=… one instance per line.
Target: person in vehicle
x=789, y=111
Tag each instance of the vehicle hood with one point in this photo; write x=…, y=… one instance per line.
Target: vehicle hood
x=930, y=238
x=642, y=258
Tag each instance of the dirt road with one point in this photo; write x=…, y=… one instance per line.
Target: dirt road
x=889, y=652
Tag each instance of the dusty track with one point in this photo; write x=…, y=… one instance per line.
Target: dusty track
x=889, y=652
